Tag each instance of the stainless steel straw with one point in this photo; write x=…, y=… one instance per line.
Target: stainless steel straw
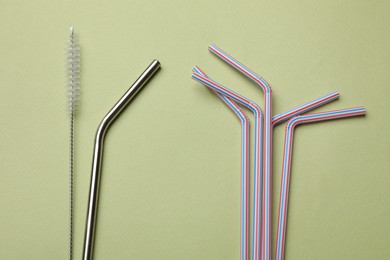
x=98, y=152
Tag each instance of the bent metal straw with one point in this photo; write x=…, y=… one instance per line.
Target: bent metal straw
x=244, y=230
x=286, y=172
x=267, y=156
x=258, y=134
x=98, y=155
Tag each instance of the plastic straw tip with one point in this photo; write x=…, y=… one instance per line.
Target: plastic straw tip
x=212, y=46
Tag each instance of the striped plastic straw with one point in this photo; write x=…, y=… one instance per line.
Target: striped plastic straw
x=305, y=107
x=244, y=217
x=267, y=156
x=286, y=172
x=258, y=135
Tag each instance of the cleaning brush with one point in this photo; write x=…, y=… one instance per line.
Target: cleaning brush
x=73, y=74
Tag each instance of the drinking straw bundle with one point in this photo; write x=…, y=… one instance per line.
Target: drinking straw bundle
x=263, y=129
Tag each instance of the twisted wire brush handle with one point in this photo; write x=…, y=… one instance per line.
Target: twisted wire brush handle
x=73, y=74
x=98, y=151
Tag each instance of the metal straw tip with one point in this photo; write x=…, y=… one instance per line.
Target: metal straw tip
x=156, y=63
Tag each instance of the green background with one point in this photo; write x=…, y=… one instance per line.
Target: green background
x=171, y=172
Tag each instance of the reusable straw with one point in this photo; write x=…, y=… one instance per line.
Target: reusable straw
x=244, y=230
x=286, y=172
x=267, y=156
x=98, y=155
x=258, y=134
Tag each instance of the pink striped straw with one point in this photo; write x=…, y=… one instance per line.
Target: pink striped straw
x=305, y=107
x=285, y=181
x=266, y=209
x=244, y=216
x=258, y=135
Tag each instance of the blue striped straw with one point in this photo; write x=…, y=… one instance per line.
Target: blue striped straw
x=244, y=230
x=286, y=170
x=265, y=239
x=258, y=134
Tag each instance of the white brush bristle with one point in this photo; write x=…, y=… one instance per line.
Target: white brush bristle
x=73, y=71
